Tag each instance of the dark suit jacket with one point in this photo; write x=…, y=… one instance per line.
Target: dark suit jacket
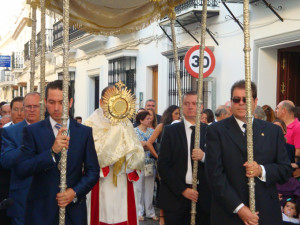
x=12, y=137
x=36, y=160
x=4, y=188
x=225, y=155
x=4, y=176
x=158, y=117
x=172, y=168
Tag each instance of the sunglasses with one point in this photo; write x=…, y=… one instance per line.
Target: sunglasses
x=238, y=99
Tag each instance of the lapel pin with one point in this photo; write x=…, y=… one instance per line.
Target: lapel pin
x=262, y=134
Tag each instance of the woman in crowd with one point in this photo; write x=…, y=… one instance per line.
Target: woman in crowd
x=153, y=118
x=145, y=184
x=207, y=116
x=170, y=114
x=269, y=113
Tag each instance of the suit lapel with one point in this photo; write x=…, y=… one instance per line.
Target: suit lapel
x=74, y=134
x=258, y=135
x=48, y=137
x=236, y=134
x=182, y=135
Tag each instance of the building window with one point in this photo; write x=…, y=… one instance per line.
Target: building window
x=22, y=91
x=124, y=69
x=96, y=92
x=189, y=83
x=27, y=51
x=72, y=87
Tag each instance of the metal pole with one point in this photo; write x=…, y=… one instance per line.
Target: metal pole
x=172, y=17
x=63, y=159
x=247, y=51
x=199, y=102
x=32, y=47
x=42, y=66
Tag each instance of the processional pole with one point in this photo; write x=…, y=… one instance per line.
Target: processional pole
x=172, y=16
x=199, y=102
x=42, y=65
x=247, y=50
x=32, y=46
x=63, y=159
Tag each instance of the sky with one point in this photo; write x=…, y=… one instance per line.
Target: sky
x=9, y=12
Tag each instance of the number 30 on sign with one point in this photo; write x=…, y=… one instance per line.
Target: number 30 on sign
x=191, y=61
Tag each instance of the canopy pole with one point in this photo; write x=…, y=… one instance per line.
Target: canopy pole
x=32, y=46
x=63, y=160
x=247, y=51
x=172, y=16
x=199, y=102
x=42, y=67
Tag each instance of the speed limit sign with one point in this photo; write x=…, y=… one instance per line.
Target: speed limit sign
x=191, y=61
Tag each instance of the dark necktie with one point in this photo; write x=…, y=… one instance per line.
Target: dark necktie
x=192, y=139
x=245, y=132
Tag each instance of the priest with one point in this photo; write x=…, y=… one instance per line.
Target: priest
x=121, y=157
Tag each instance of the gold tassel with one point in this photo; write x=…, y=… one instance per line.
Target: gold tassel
x=116, y=170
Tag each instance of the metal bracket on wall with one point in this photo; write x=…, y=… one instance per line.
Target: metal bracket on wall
x=272, y=9
x=233, y=16
x=207, y=30
x=186, y=30
x=165, y=32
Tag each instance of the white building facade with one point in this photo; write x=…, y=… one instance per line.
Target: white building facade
x=144, y=60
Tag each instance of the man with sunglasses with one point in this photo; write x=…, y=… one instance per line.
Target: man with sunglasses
x=228, y=171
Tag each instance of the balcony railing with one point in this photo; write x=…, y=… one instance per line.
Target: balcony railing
x=195, y=4
x=49, y=44
x=74, y=33
x=17, y=60
x=6, y=78
x=49, y=41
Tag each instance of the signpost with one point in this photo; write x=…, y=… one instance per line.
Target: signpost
x=4, y=60
x=191, y=61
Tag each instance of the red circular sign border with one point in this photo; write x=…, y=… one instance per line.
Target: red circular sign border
x=187, y=64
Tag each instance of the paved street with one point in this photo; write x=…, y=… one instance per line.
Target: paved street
x=149, y=221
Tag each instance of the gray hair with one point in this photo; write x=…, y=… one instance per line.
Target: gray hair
x=289, y=106
x=220, y=111
x=260, y=113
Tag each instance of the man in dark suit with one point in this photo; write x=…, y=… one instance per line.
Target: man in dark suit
x=228, y=171
x=175, y=169
x=4, y=188
x=12, y=142
x=40, y=156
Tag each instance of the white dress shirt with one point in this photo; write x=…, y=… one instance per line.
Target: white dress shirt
x=189, y=172
x=8, y=124
x=55, y=131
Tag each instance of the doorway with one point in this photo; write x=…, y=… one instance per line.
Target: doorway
x=288, y=74
x=155, y=85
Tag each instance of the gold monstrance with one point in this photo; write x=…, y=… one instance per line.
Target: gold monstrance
x=118, y=103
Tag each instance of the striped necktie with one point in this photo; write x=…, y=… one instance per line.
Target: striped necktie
x=58, y=126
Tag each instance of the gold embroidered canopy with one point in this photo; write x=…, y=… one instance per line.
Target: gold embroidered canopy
x=111, y=17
